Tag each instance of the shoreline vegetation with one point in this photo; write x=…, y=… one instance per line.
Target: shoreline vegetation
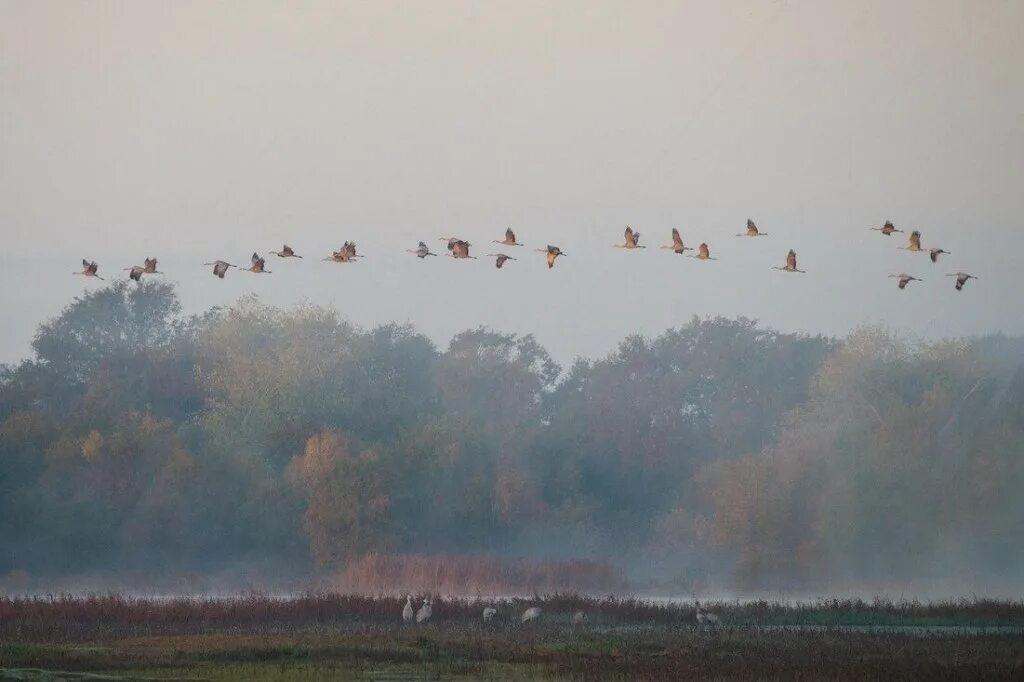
x=340, y=636
x=64, y=616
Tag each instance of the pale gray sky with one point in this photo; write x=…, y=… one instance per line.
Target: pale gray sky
x=201, y=130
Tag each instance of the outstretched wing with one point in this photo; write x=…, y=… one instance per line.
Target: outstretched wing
x=510, y=236
x=791, y=259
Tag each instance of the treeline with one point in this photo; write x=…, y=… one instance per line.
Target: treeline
x=138, y=439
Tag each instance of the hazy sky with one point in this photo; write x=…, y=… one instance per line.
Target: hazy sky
x=200, y=130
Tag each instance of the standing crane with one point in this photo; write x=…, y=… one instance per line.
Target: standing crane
x=500, y=259
x=703, y=253
x=425, y=612
x=257, y=265
x=752, y=230
x=705, y=617
x=286, y=252
x=677, y=245
x=220, y=267
x=886, y=229
x=509, y=240
x=553, y=252
x=530, y=614
x=631, y=240
x=89, y=269
x=422, y=251
x=790, y=265
x=961, y=279
x=407, y=612
x=905, y=279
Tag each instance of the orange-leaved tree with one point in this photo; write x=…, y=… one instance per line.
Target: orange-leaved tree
x=347, y=512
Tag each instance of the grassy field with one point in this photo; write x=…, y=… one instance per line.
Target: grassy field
x=328, y=637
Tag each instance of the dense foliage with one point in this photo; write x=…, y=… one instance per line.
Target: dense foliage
x=139, y=439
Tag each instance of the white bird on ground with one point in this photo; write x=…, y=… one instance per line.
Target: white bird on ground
x=407, y=613
x=425, y=612
x=705, y=617
x=489, y=613
x=530, y=614
x=579, y=618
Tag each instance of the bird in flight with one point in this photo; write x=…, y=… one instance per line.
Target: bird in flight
x=790, y=265
x=89, y=269
x=886, y=229
x=752, y=230
x=500, y=259
x=459, y=248
x=220, y=267
x=346, y=254
x=961, y=279
x=148, y=267
x=632, y=240
x=257, y=265
x=905, y=279
x=286, y=252
x=914, y=243
x=677, y=243
x=452, y=241
x=509, y=240
x=422, y=251
x=935, y=253
x=553, y=252
x=703, y=253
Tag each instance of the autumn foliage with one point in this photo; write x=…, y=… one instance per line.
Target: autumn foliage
x=476, y=575
x=295, y=447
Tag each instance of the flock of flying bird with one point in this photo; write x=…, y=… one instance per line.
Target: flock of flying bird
x=460, y=248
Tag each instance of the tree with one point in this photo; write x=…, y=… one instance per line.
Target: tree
x=121, y=320
x=347, y=510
